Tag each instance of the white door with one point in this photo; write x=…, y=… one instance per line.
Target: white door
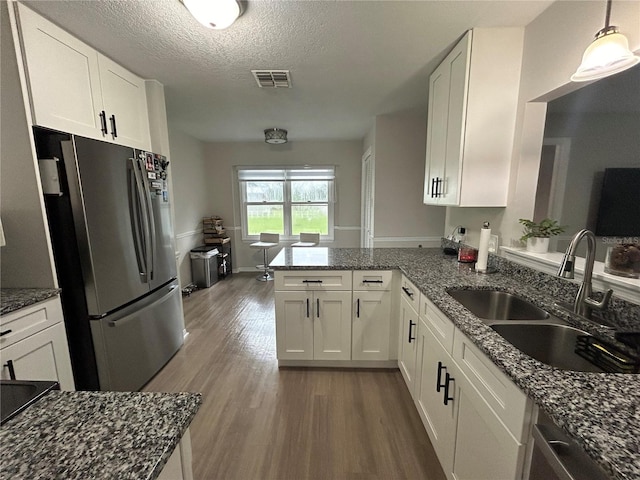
x=332, y=326
x=125, y=104
x=438, y=416
x=371, y=320
x=408, y=343
x=42, y=356
x=63, y=77
x=367, y=203
x=294, y=325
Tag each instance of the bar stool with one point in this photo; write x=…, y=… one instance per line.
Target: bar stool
x=307, y=240
x=267, y=241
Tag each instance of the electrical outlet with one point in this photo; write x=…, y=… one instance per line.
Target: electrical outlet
x=493, y=243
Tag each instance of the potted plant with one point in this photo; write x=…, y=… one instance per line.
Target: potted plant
x=536, y=234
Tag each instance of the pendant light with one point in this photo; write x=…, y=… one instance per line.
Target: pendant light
x=608, y=54
x=216, y=14
x=275, y=136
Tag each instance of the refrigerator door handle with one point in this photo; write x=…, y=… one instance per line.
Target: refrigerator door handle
x=151, y=226
x=125, y=320
x=134, y=211
x=144, y=210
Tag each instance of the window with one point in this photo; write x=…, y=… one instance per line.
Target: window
x=287, y=201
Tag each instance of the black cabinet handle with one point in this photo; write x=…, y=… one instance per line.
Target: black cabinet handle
x=372, y=281
x=5, y=332
x=358, y=308
x=438, y=183
x=439, y=383
x=103, y=122
x=114, y=132
x=318, y=307
x=447, y=380
x=433, y=188
x=12, y=371
x=408, y=292
x=411, y=325
x=307, y=308
x=311, y=281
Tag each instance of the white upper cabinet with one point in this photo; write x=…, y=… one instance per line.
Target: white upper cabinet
x=75, y=89
x=473, y=97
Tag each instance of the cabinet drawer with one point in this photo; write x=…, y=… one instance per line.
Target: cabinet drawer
x=313, y=280
x=372, y=279
x=439, y=324
x=410, y=293
x=509, y=403
x=29, y=320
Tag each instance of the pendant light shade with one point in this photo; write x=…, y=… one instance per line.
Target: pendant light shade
x=216, y=14
x=275, y=136
x=608, y=54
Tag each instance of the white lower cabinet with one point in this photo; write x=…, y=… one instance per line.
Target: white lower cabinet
x=34, y=344
x=408, y=345
x=179, y=467
x=477, y=419
x=371, y=325
x=313, y=325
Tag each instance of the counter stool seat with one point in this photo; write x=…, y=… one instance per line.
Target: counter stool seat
x=307, y=240
x=267, y=241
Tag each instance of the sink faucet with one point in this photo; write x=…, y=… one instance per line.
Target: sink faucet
x=583, y=304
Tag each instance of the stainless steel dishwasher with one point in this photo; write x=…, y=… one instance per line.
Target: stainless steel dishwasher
x=557, y=457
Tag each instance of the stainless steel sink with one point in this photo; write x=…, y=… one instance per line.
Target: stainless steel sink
x=497, y=305
x=16, y=395
x=548, y=343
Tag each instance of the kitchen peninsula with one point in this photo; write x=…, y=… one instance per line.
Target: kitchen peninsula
x=101, y=435
x=598, y=410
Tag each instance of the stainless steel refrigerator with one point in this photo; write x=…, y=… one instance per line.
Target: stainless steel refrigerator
x=112, y=237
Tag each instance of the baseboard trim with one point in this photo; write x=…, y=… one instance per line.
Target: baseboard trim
x=340, y=363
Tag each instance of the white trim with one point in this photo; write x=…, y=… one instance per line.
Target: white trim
x=354, y=228
x=180, y=236
x=340, y=363
x=407, y=239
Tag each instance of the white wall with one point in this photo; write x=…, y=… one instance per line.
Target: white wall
x=401, y=218
x=553, y=47
x=192, y=196
x=223, y=189
x=26, y=260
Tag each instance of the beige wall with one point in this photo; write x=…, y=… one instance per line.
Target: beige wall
x=554, y=44
x=192, y=201
x=401, y=218
x=26, y=260
x=223, y=189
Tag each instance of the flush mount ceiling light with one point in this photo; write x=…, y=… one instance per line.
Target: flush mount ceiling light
x=216, y=14
x=275, y=136
x=608, y=54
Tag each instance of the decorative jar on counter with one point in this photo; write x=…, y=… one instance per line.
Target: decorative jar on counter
x=623, y=260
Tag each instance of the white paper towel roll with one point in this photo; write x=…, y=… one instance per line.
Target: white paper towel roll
x=483, y=248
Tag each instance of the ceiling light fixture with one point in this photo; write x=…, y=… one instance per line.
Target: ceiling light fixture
x=216, y=14
x=608, y=54
x=275, y=136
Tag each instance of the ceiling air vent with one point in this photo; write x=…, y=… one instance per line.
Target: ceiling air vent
x=272, y=78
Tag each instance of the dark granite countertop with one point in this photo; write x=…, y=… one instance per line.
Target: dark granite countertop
x=12, y=299
x=97, y=435
x=601, y=411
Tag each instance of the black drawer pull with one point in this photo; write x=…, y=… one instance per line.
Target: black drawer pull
x=103, y=123
x=411, y=325
x=318, y=307
x=439, y=383
x=447, y=380
x=12, y=371
x=307, y=308
x=408, y=292
x=311, y=281
x=114, y=132
x=358, y=308
x=372, y=281
x=5, y=332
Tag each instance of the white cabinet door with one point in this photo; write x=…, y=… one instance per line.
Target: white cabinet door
x=125, y=103
x=63, y=76
x=436, y=395
x=485, y=450
x=294, y=325
x=42, y=356
x=408, y=343
x=371, y=324
x=332, y=326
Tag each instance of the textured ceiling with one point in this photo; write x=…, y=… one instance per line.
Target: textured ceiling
x=349, y=60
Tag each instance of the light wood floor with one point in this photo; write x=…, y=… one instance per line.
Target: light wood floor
x=260, y=422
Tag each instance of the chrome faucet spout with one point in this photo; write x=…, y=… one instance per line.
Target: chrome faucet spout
x=583, y=304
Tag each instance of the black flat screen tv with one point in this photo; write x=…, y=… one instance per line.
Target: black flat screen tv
x=619, y=209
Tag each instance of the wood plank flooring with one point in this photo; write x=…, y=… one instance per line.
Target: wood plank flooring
x=258, y=422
